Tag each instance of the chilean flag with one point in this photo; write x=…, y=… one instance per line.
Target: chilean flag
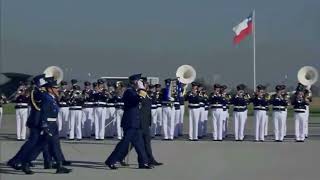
x=243, y=29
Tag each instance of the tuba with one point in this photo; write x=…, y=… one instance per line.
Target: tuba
x=186, y=74
x=55, y=72
x=307, y=76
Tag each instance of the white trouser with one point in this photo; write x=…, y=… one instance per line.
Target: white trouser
x=75, y=124
x=240, y=119
x=217, y=123
x=202, y=127
x=300, y=120
x=285, y=113
x=119, y=114
x=63, y=122
x=260, y=118
x=159, y=121
x=266, y=124
x=177, y=115
x=194, y=115
x=21, y=117
x=99, y=122
x=111, y=120
x=154, y=118
x=1, y=113
x=306, y=125
x=87, y=120
x=279, y=124
x=180, y=127
x=225, y=123
x=168, y=122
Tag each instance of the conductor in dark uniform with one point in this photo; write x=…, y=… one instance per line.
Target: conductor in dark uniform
x=131, y=124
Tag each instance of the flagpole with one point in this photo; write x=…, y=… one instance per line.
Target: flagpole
x=254, y=49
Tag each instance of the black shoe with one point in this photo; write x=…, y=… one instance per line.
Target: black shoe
x=48, y=165
x=14, y=165
x=63, y=170
x=66, y=163
x=155, y=163
x=122, y=163
x=26, y=169
x=111, y=166
x=145, y=166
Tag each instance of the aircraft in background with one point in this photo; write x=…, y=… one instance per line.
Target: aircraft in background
x=9, y=82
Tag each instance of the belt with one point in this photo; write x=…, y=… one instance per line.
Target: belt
x=193, y=106
x=101, y=103
x=240, y=107
x=263, y=108
x=51, y=119
x=304, y=110
x=88, y=103
x=75, y=107
x=22, y=104
x=110, y=105
x=279, y=107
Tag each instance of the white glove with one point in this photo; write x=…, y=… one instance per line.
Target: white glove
x=140, y=85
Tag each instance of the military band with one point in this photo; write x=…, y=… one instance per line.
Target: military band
x=97, y=110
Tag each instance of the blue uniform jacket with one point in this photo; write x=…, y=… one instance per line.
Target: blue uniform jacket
x=49, y=108
x=131, y=101
x=34, y=117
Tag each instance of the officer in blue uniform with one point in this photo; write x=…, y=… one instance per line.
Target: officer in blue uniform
x=33, y=123
x=131, y=124
x=49, y=128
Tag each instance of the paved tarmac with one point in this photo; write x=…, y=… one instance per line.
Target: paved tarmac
x=185, y=160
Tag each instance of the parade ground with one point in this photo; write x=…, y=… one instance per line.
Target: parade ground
x=183, y=159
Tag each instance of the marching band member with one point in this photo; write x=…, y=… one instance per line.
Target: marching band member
x=300, y=103
x=168, y=122
x=225, y=102
x=100, y=112
x=182, y=89
x=260, y=104
x=154, y=107
x=287, y=97
x=202, y=131
x=3, y=100
x=75, y=111
x=239, y=102
x=279, y=103
x=87, y=110
x=206, y=110
x=95, y=103
x=177, y=112
x=216, y=103
x=119, y=108
x=308, y=95
x=194, y=112
x=110, y=112
x=63, y=115
x=159, y=110
x=22, y=101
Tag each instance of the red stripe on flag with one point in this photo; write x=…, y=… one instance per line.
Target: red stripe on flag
x=243, y=34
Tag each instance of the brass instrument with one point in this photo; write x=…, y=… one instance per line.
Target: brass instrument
x=307, y=76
